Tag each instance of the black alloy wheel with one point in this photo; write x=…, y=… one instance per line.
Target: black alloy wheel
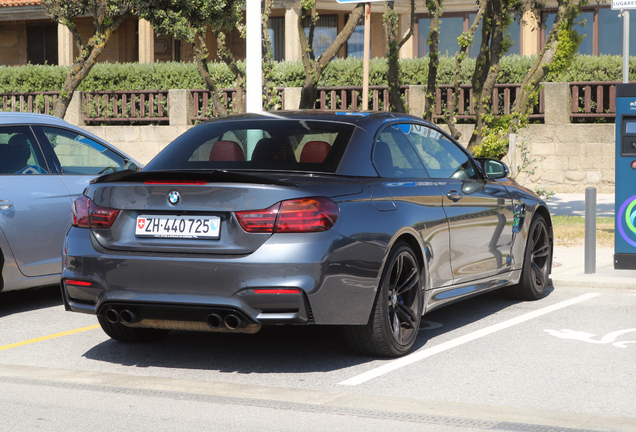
x=397, y=313
x=537, y=263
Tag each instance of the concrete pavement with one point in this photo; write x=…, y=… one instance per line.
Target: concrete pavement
x=569, y=262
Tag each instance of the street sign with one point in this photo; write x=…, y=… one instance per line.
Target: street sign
x=620, y=4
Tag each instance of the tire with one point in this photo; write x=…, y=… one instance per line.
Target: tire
x=537, y=262
x=397, y=312
x=123, y=333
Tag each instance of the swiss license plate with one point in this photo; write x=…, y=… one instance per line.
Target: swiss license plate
x=195, y=227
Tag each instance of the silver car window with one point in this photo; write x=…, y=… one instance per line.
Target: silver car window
x=19, y=152
x=79, y=154
x=443, y=158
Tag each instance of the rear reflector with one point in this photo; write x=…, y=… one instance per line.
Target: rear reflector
x=86, y=214
x=176, y=182
x=277, y=291
x=292, y=216
x=77, y=282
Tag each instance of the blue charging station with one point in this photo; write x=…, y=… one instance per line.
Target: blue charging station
x=625, y=187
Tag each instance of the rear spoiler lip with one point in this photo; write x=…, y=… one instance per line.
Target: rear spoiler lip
x=215, y=176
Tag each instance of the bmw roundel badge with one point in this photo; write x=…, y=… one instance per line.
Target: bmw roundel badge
x=174, y=197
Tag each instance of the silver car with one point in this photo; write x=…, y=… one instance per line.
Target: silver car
x=45, y=163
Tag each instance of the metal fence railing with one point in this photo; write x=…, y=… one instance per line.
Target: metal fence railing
x=130, y=107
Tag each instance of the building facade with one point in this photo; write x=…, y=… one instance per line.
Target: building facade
x=28, y=35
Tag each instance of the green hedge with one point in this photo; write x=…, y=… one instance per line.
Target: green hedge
x=341, y=72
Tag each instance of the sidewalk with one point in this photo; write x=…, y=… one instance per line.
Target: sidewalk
x=568, y=269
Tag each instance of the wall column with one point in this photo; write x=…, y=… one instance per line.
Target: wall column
x=64, y=46
x=292, y=43
x=558, y=103
x=530, y=43
x=146, y=42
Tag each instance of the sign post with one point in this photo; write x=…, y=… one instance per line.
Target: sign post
x=253, y=57
x=367, y=44
x=624, y=6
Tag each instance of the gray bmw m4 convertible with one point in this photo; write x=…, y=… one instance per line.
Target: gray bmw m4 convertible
x=362, y=220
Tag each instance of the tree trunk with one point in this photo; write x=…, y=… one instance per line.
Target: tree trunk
x=459, y=58
x=485, y=76
x=83, y=64
x=434, y=8
x=314, y=67
x=390, y=21
x=228, y=58
x=200, y=53
x=541, y=66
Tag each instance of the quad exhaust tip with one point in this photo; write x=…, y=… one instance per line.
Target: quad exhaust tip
x=128, y=317
x=112, y=316
x=214, y=321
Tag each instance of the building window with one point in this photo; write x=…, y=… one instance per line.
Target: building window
x=276, y=30
x=451, y=27
x=42, y=44
x=325, y=32
x=355, y=44
x=603, y=29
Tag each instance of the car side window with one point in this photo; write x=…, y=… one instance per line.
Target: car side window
x=443, y=158
x=19, y=152
x=394, y=156
x=79, y=154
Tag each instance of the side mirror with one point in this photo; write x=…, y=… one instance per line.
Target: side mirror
x=493, y=168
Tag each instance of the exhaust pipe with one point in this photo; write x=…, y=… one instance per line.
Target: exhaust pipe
x=233, y=322
x=112, y=316
x=214, y=321
x=128, y=317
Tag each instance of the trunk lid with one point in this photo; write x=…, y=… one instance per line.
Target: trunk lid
x=210, y=196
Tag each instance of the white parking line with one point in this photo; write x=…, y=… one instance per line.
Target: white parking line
x=420, y=355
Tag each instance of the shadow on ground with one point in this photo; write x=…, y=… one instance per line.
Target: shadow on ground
x=280, y=349
x=13, y=302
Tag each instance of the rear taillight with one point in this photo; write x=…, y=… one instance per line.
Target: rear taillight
x=259, y=221
x=307, y=215
x=292, y=216
x=86, y=214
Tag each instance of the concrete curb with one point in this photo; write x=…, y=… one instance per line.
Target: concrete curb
x=592, y=281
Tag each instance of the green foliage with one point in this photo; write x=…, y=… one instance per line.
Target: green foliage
x=340, y=72
x=495, y=134
x=569, y=41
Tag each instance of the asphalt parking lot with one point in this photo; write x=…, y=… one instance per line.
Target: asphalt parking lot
x=565, y=361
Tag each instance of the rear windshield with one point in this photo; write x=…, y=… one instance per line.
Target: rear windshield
x=281, y=145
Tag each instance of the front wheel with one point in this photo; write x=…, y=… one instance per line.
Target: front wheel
x=396, y=315
x=536, y=263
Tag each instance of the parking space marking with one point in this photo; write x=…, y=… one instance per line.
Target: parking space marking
x=587, y=337
x=420, y=355
x=53, y=336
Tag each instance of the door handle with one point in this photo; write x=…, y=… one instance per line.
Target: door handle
x=5, y=204
x=453, y=195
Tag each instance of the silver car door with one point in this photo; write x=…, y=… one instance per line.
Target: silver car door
x=34, y=204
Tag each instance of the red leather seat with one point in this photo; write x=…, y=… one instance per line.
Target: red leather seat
x=314, y=152
x=226, y=151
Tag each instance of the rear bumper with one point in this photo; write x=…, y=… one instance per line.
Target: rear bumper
x=322, y=279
